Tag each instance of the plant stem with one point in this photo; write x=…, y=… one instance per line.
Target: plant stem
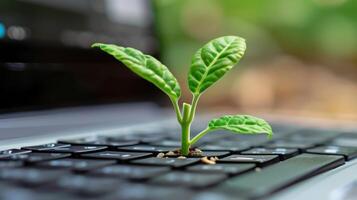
x=177, y=109
x=185, y=126
x=198, y=136
x=195, y=99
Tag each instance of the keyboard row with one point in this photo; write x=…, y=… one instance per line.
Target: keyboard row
x=126, y=162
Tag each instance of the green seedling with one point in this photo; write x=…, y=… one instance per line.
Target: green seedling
x=208, y=65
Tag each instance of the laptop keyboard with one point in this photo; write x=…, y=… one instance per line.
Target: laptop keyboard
x=127, y=167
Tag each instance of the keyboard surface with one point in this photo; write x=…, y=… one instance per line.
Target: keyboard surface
x=128, y=166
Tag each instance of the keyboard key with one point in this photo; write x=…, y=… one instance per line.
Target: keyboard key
x=207, y=195
x=86, y=185
x=132, y=171
x=260, y=160
x=283, y=153
x=173, y=162
x=348, y=152
x=37, y=157
x=77, y=149
x=283, y=143
x=218, y=154
x=147, y=148
x=151, y=192
x=100, y=141
x=231, y=169
x=30, y=176
x=45, y=147
x=80, y=165
x=278, y=176
x=10, y=152
x=16, y=192
x=10, y=164
x=345, y=139
x=116, y=155
x=167, y=143
x=189, y=179
x=250, y=140
x=315, y=136
x=226, y=146
x=303, y=138
x=142, y=138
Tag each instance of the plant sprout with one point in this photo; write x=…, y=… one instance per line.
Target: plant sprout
x=208, y=65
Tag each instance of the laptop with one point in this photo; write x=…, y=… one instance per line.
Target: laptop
x=75, y=124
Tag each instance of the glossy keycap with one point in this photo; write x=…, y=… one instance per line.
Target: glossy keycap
x=37, y=157
x=30, y=176
x=189, y=179
x=45, y=147
x=283, y=174
x=134, y=172
x=151, y=192
x=348, y=152
x=260, y=160
x=100, y=141
x=226, y=146
x=10, y=152
x=76, y=149
x=231, y=168
x=76, y=164
x=116, y=155
x=147, y=148
x=88, y=186
x=285, y=143
x=283, y=153
x=173, y=162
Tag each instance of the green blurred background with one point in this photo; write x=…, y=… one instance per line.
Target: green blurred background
x=301, y=55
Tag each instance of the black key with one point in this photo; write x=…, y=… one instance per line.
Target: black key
x=10, y=164
x=250, y=140
x=116, y=155
x=218, y=154
x=275, y=177
x=173, y=162
x=143, y=138
x=100, y=141
x=86, y=185
x=132, y=171
x=147, y=148
x=37, y=157
x=77, y=149
x=226, y=146
x=151, y=192
x=189, y=179
x=283, y=153
x=167, y=143
x=80, y=165
x=348, y=152
x=207, y=195
x=10, y=152
x=346, y=139
x=283, y=143
x=231, y=168
x=306, y=138
x=45, y=147
x=260, y=160
x=30, y=176
x=16, y=192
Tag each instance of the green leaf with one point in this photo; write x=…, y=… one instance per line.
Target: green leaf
x=243, y=124
x=213, y=60
x=146, y=67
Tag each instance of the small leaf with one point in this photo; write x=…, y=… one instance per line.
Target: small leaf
x=213, y=60
x=146, y=67
x=243, y=124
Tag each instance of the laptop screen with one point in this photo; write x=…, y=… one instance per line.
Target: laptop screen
x=45, y=55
